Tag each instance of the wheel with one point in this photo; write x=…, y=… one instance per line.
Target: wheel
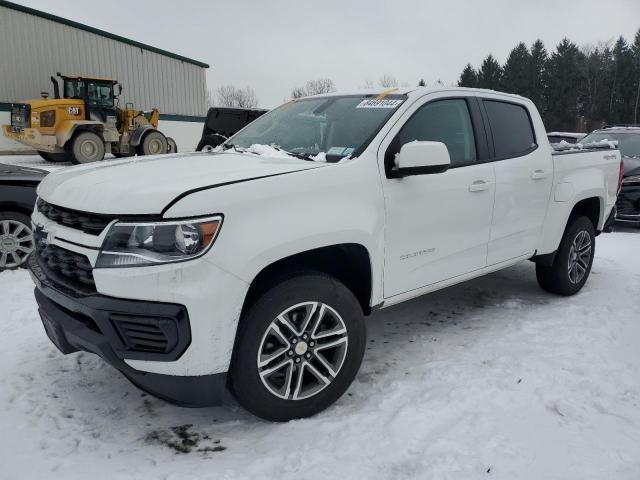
x=209, y=142
x=154, y=143
x=87, y=147
x=572, y=263
x=16, y=240
x=172, y=146
x=54, y=157
x=298, y=349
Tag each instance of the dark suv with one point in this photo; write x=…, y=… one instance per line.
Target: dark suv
x=628, y=138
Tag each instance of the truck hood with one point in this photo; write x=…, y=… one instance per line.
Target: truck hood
x=139, y=186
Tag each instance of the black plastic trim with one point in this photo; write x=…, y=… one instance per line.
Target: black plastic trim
x=71, y=314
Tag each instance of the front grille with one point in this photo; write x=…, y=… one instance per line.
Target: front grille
x=68, y=271
x=629, y=201
x=20, y=116
x=87, y=222
x=146, y=334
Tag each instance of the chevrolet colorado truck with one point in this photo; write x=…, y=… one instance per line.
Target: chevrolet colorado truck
x=250, y=269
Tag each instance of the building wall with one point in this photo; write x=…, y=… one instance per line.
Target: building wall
x=33, y=48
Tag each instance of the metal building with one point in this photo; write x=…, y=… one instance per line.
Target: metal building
x=34, y=45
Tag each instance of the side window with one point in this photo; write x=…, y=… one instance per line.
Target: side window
x=511, y=127
x=446, y=121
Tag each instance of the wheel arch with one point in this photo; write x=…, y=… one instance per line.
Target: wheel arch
x=350, y=263
x=71, y=129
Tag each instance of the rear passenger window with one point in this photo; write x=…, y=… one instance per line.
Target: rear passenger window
x=511, y=127
x=446, y=121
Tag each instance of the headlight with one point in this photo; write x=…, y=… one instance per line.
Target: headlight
x=154, y=243
x=48, y=118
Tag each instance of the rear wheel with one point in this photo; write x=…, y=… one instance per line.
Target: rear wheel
x=154, y=143
x=87, y=147
x=16, y=240
x=572, y=263
x=298, y=349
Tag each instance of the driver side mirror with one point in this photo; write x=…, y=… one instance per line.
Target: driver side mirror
x=421, y=158
x=119, y=89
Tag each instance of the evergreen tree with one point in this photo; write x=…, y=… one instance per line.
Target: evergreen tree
x=636, y=75
x=621, y=100
x=490, y=74
x=468, y=77
x=516, y=71
x=538, y=76
x=422, y=83
x=565, y=83
x=598, y=75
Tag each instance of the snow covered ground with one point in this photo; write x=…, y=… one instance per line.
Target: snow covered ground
x=490, y=379
x=36, y=161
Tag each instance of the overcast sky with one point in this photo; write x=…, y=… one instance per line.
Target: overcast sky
x=276, y=45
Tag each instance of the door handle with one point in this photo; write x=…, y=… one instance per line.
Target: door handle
x=479, y=185
x=539, y=175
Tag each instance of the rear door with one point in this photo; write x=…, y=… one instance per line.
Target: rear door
x=437, y=225
x=523, y=174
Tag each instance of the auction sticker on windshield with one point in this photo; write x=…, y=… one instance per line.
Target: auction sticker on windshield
x=382, y=103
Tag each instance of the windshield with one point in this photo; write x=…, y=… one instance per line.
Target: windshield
x=100, y=94
x=628, y=143
x=330, y=128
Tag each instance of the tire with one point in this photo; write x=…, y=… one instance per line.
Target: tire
x=570, y=270
x=87, y=147
x=209, y=142
x=172, y=146
x=16, y=240
x=55, y=157
x=154, y=143
x=337, y=317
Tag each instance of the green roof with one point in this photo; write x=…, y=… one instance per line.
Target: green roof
x=102, y=33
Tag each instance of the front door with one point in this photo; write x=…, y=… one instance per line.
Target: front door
x=437, y=225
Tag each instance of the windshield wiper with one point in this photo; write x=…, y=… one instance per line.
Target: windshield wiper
x=297, y=155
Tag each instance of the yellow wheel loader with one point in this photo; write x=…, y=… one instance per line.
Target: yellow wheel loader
x=85, y=123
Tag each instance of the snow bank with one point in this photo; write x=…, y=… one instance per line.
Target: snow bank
x=491, y=379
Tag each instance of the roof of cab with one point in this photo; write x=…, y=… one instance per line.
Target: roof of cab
x=416, y=91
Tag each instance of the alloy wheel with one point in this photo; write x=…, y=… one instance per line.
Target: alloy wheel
x=579, y=256
x=302, y=351
x=16, y=243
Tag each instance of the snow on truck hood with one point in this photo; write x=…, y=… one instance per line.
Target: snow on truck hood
x=146, y=185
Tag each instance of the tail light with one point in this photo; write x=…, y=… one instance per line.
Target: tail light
x=620, y=175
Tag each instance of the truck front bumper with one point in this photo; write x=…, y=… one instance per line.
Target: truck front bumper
x=33, y=138
x=108, y=327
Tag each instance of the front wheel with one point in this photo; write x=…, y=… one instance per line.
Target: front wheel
x=154, y=143
x=298, y=349
x=572, y=263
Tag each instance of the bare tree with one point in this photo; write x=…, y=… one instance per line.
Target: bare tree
x=230, y=96
x=388, y=81
x=314, y=87
x=366, y=85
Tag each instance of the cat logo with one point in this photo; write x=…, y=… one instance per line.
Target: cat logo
x=73, y=110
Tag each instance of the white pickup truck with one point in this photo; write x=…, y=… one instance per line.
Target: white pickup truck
x=250, y=269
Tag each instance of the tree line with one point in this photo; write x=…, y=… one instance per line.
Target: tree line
x=575, y=88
